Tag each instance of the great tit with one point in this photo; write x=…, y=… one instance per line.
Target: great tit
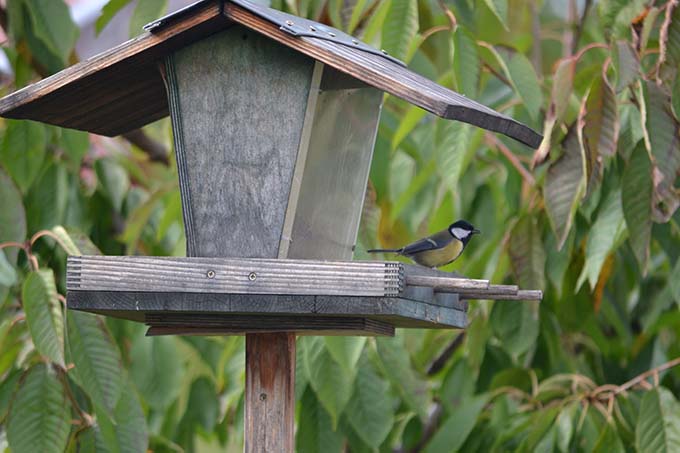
x=439, y=249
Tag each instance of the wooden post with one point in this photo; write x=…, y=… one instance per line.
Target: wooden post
x=270, y=393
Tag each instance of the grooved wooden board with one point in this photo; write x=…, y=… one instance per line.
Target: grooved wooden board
x=121, y=89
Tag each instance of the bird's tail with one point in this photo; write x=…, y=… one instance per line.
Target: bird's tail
x=384, y=251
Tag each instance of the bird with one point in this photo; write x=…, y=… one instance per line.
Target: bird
x=439, y=249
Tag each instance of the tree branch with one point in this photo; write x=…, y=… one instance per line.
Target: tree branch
x=439, y=363
x=580, y=26
x=514, y=161
x=156, y=150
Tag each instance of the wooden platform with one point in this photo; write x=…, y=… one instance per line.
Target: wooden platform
x=221, y=296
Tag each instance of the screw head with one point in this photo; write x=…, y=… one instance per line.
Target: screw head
x=355, y=41
x=263, y=396
x=210, y=274
x=312, y=28
x=290, y=23
x=331, y=34
x=252, y=276
x=384, y=52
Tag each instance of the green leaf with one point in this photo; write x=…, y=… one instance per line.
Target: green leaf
x=669, y=37
x=8, y=275
x=453, y=151
x=98, y=368
x=52, y=25
x=609, y=441
x=522, y=76
x=563, y=86
x=626, y=64
x=527, y=255
x=43, y=314
x=126, y=431
x=12, y=216
x=658, y=427
x=108, y=12
x=600, y=120
x=397, y=367
x=408, y=122
x=39, y=418
x=146, y=11
x=466, y=63
x=82, y=242
x=499, y=8
x=455, y=430
x=8, y=387
x=604, y=235
x=345, y=351
x=674, y=280
x=370, y=411
x=331, y=383
x=65, y=241
x=46, y=201
x=75, y=144
x=154, y=371
x=565, y=186
x=662, y=138
x=515, y=325
x=114, y=181
x=23, y=151
x=400, y=27
x=636, y=200
x=315, y=432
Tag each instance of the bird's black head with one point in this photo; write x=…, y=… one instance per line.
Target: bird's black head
x=463, y=230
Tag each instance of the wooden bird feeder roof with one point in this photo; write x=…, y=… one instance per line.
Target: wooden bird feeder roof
x=123, y=89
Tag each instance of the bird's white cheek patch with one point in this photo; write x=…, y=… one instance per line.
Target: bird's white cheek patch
x=460, y=233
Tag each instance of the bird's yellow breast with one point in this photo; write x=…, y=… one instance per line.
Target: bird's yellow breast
x=439, y=257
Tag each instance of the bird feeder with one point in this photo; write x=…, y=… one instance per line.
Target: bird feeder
x=274, y=120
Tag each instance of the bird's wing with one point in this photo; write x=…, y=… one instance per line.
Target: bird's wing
x=436, y=241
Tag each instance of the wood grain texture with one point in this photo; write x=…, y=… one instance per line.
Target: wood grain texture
x=270, y=393
x=120, y=90
x=214, y=324
x=234, y=276
x=241, y=107
x=398, y=311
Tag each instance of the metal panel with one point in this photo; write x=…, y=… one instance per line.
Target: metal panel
x=238, y=104
x=336, y=171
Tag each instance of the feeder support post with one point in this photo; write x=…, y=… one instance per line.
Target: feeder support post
x=270, y=393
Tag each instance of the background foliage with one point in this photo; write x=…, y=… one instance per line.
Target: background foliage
x=591, y=218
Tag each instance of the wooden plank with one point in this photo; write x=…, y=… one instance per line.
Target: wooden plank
x=403, y=313
x=270, y=393
x=233, y=276
x=123, y=88
x=236, y=149
x=447, y=283
x=117, y=90
x=212, y=324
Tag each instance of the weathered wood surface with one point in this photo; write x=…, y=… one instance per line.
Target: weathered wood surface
x=120, y=90
x=238, y=101
x=400, y=312
x=215, y=324
x=270, y=393
x=234, y=276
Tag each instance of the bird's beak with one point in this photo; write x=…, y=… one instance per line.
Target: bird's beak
x=476, y=231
